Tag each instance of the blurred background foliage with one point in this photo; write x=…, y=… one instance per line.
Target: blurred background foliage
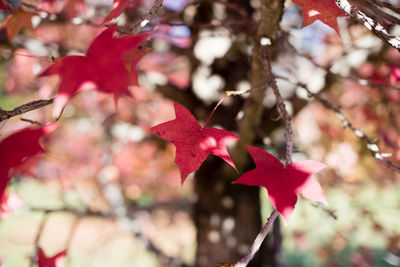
x=104, y=165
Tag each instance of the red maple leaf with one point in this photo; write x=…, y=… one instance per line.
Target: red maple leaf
x=16, y=21
x=17, y=148
x=284, y=182
x=55, y=261
x=193, y=143
x=104, y=65
x=324, y=10
x=118, y=8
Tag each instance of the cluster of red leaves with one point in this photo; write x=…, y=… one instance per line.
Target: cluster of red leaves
x=19, y=19
x=194, y=143
x=109, y=65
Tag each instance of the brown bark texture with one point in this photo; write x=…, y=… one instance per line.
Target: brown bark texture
x=227, y=216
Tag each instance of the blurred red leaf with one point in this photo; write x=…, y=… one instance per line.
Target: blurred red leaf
x=8, y=203
x=17, y=148
x=193, y=143
x=16, y=21
x=20, y=76
x=284, y=182
x=174, y=67
x=28, y=167
x=55, y=261
x=104, y=65
x=73, y=7
x=118, y=8
x=324, y=10
x=394, y=74
x=4, y=6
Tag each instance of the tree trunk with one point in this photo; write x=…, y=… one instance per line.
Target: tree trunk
x=227, y=216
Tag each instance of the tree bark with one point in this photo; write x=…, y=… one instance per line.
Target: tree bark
x=227, y=216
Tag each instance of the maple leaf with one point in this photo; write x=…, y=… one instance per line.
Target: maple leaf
x=16, y=21
x=324, y=10
x=17, y=148
x=118, y=8
x=283, y=182
x=193, y=143
x=55, y=261
x=104, y=65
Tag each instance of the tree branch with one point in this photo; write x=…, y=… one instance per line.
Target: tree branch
x=143, y=21
x=258, y=241
x=289, y=149
x=387, y=5
x=6, y=114
x=377, y=12
x=282, y=108
x=369, y=23
x=372, y=147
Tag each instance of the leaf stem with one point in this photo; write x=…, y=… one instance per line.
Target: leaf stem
x=216, y=106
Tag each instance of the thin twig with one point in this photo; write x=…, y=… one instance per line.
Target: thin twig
x=6, y=114
x=328, y=211
x=369, y=23
x=377, y=12
x=282, y=108
x=289, y=149
x=387, y=5
x=360, y=81
x=31, y=121
x=242, y=92
x=76, y=212
x=372, y=147
x=143, y=21
x=258, y=241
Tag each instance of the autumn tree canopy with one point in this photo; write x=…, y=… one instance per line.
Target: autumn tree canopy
x=178, y=132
